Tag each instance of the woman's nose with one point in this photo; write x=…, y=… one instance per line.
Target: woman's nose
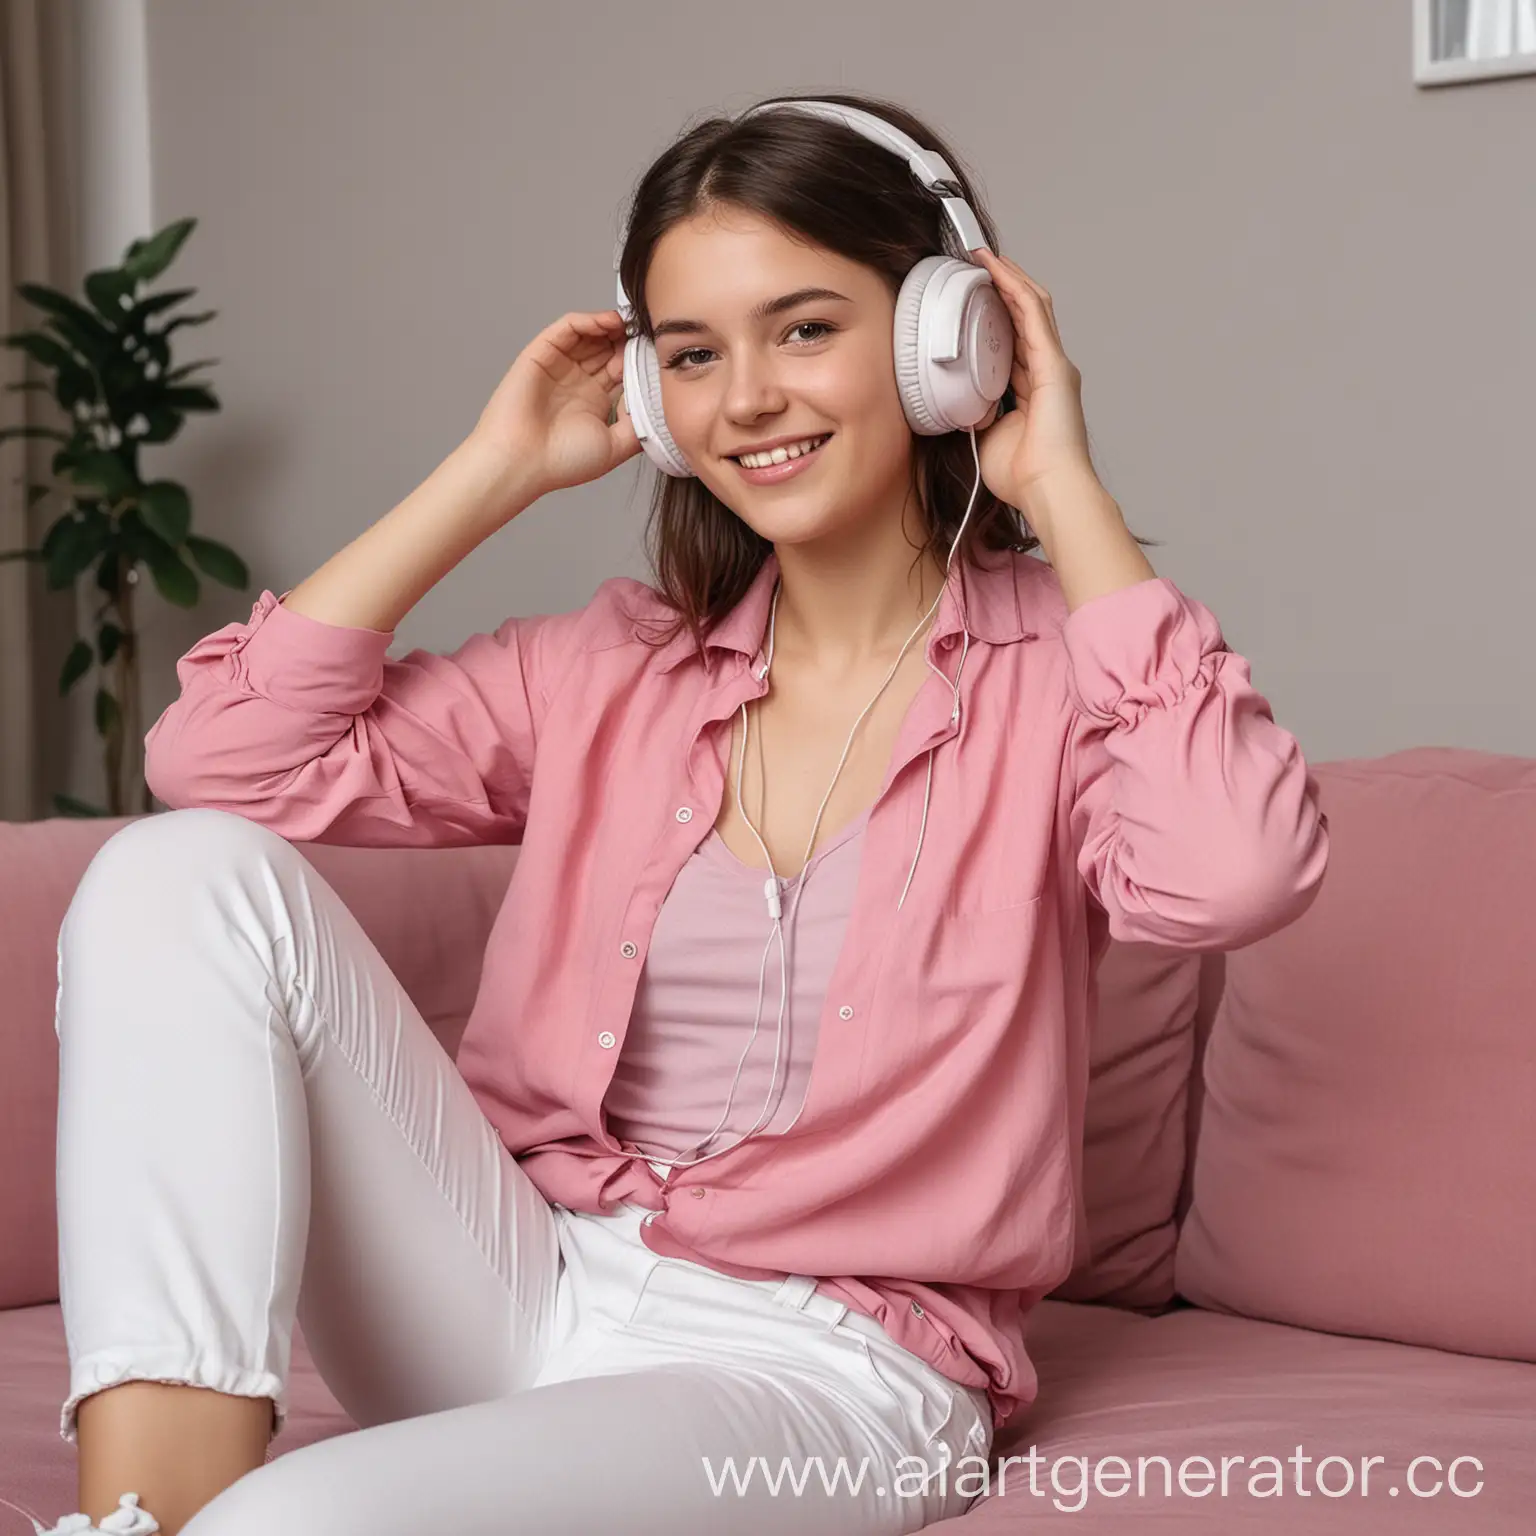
x=753, y=389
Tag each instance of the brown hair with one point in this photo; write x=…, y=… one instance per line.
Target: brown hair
x=827, y=183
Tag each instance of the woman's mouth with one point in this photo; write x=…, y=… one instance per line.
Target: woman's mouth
x=772, y=474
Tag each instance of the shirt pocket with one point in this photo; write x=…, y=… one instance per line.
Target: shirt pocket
x=991, y=899
x=995, y=863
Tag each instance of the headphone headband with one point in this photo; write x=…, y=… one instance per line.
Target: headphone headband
x=930, y=167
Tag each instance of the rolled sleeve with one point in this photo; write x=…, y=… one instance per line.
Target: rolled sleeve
x=1195, y=817
x=312, y=730
x=1137, y=648
x=305, y=664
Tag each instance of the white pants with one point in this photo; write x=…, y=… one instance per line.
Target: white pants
x=255, y=1123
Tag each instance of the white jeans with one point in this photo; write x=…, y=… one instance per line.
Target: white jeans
x=255, y=1123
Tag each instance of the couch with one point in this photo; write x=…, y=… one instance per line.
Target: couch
x=1309, y=1173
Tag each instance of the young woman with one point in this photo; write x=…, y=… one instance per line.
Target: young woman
x=765, y=1132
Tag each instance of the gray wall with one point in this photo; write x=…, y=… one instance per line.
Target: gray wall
x=1299, y=290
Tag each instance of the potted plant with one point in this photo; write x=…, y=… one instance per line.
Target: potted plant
x=113, y=380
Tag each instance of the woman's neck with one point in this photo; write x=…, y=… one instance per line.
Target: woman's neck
x=844, y=610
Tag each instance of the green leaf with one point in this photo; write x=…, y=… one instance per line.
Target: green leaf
x=35, y=493
x=166, y=508
x=58, y=532
x=108, y=638
x=174, y=577
x=67, y=805
x=41, y=347
x=51, y=301
x=107, y=289
x=219, y=561
x=74, y=385
x=180, y=320
x=84, y=346
x=107, y=472
x=186, y=368
x=73, y=542
x=156, y=302
x=79, y=544
x=107, y=712
x=191, y=397
x=164, y=424
x=78, y=326
x=147, y=259
x=76, y=665
x=159, y=350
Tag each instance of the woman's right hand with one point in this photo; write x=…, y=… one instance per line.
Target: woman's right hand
x=549, y=415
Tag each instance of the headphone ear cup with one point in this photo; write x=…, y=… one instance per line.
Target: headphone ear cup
x=940, y=295
x=908, y=321
x=642, y=398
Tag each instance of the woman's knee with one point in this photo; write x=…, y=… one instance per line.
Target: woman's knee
x=150, y=857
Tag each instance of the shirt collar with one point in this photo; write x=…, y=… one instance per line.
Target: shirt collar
x=993, y=596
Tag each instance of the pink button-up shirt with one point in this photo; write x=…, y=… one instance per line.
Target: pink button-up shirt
x=1111, y=771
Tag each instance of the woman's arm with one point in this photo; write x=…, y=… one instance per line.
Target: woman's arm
x=1195, y=820
x=298, y=719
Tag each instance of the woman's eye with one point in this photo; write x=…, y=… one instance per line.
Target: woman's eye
x=680, y=361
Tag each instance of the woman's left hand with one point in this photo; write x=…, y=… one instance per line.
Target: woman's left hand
x=1046, y=437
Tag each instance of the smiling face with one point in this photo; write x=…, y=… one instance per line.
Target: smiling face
x=731, y=378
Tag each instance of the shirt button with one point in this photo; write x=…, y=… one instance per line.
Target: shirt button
x=628, y=950
x=697, y=1193
x=917, y=1311
x=845, y=1012
x=684, y=814
x=606, y=1039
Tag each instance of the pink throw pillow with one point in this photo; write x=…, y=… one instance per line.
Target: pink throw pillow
x=1366, y=1162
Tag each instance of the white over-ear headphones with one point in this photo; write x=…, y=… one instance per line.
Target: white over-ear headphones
x=953, y=334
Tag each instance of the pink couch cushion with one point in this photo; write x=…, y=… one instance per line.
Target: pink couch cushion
x=1366, y=1161
x=1140, y=1057
x=428, y=911
x=1216, y=1395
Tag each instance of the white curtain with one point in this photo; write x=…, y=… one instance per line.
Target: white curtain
x=24, y=254
x=1494, y=29
x=38, y=92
